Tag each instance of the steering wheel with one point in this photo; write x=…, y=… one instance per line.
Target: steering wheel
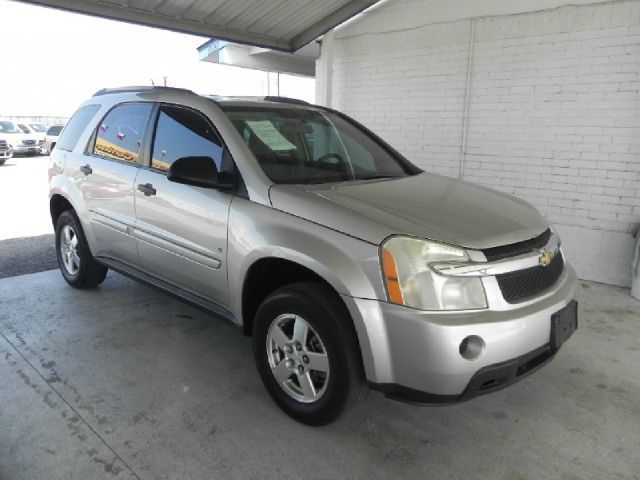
x=338, y=164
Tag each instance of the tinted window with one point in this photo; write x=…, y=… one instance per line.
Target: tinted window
x=54, y=130
x=312, y=146
x=120, y=133
x=9, y=127
x=38, y=127
x=75, y=127
x=184, y=133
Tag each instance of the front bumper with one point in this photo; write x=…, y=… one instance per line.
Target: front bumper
x=415, y=355
x=28, y=149
x=4, y=154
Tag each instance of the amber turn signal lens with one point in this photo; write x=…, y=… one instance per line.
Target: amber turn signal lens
x=391, y=278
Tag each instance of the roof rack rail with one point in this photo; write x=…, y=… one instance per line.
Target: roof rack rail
x=143, y=88
x=294, y=101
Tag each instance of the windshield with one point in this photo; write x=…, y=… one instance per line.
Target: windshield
x=38, y=127
x=9, y=127
x=294, y=145
x=24, y=128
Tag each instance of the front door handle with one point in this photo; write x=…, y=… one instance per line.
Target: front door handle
x=86, y=169
x=147, y=189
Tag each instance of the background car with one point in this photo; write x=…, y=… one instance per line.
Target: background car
x=6, y=152
x=51, y=137
x=33, y=132
x=18, y=141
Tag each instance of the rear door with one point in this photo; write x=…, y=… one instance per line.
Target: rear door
x=181, y=230
x=108, y=178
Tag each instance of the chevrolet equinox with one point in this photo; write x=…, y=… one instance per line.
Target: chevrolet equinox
x=348, y=266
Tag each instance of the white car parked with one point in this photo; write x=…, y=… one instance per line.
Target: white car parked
x=28, y=129
x=18, y=141
x=51, y=137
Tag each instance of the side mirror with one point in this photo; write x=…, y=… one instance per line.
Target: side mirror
x=199, y=172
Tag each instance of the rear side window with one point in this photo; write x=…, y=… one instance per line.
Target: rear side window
x=182, y=132
x=75, y=127
x=120, y=133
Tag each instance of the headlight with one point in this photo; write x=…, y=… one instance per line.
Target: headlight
x=411, y=282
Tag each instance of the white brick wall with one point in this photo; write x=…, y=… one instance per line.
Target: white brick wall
x=409, y=87
x=553, y=113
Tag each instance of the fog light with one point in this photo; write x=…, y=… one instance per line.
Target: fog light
x=471, y=347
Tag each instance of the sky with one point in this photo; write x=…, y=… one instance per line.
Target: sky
x=54, y=60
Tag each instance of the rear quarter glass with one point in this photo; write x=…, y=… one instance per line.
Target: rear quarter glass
x=74, y=128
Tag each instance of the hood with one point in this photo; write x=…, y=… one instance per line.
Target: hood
x=425, y=205
x=17, y=138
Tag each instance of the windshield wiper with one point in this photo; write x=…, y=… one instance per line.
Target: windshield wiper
x=375, y=176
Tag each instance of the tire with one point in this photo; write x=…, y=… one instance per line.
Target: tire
x=330, y=333
x=2, y=161
x=75, y=260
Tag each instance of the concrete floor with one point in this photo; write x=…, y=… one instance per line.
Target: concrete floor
x=125, y=382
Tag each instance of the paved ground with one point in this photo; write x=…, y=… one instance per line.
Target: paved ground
x=124, y=382
x=27, y=255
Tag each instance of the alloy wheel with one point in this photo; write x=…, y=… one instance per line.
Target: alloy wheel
x=298, y=358
x=69, y=250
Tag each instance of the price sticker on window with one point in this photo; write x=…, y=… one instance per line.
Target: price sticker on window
x=270, y=136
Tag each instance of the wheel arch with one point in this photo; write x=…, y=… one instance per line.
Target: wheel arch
x=58, y=203
x=266, y=275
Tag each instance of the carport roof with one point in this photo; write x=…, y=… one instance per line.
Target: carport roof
x=278, y=24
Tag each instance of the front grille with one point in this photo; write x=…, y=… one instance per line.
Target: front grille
x=28, y=142
x=3, y=144
x=524, y=284
x=515, y=249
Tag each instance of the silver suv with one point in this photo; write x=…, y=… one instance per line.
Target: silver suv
x=348, y=265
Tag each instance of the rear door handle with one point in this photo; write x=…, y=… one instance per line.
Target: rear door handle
x=147, y=189
x=86, y=169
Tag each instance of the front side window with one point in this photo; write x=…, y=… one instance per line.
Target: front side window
x=303, y=146
x=120, y=133
x=182, y=132
x=77, y=124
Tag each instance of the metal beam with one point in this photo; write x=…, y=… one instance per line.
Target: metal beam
x=330, y=21
x=150, y=19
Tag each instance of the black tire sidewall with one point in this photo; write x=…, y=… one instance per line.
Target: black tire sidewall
x=323, y=320
x=69, y=218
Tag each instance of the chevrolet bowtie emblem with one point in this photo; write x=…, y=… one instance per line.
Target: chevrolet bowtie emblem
x=546, y=258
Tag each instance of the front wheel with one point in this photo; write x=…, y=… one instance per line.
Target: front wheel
x=76, y=263
x=306, y=352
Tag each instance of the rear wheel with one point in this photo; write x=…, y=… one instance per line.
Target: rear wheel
x=306, y=352
x=76, y=263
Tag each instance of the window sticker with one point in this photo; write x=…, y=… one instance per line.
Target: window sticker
x=270, y=136
x=111, y=150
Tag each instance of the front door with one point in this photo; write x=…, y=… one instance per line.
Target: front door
x=107, y=180
x=181, y=230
